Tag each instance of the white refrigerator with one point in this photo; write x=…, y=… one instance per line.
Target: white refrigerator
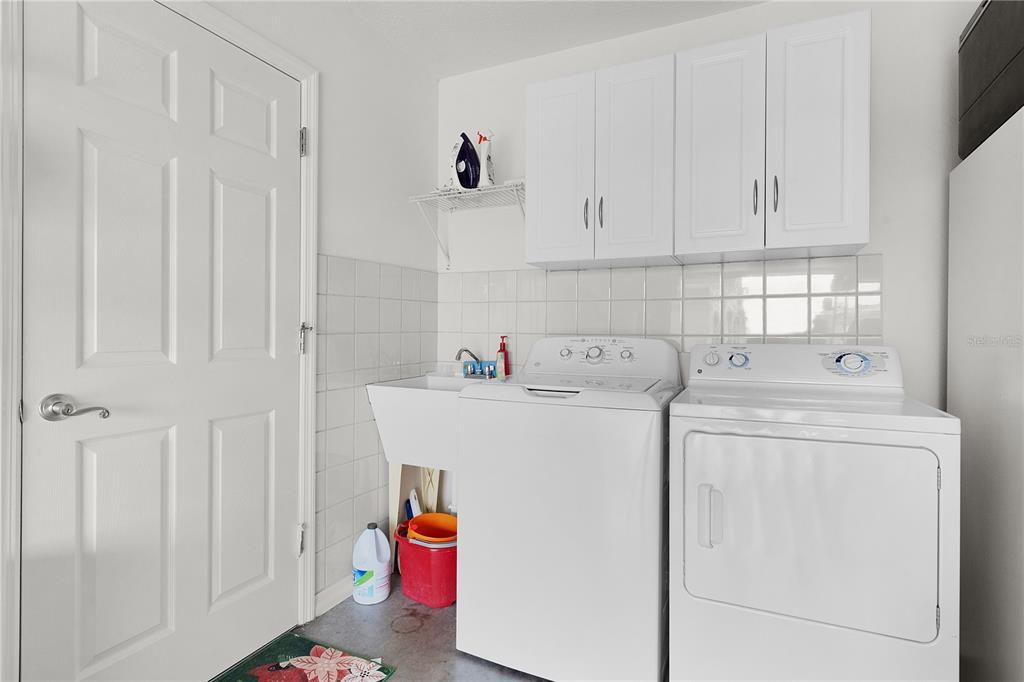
x=985, y=388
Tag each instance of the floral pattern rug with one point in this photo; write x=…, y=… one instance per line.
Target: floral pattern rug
x=291, y=658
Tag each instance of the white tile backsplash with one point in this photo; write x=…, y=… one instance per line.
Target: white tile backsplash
x=595, y=285
x=628, y=283
x=664, y=282
x=375, y=322
x=562, y=285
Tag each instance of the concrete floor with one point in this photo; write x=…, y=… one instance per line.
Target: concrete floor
x=417, y=640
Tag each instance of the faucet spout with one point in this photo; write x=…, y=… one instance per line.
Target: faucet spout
x=466, y=351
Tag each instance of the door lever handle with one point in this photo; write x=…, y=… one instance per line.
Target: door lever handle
x=58, y=407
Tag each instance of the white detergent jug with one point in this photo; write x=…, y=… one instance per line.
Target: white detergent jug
x=371, y=566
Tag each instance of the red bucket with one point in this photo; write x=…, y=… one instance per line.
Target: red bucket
x=428, y=574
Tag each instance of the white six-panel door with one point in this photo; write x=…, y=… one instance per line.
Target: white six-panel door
x=818, y=132
x=635, y=129
x=161, y=282
x=560, y=215
x=720, y=191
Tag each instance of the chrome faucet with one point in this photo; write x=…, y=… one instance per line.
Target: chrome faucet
x=466, y=351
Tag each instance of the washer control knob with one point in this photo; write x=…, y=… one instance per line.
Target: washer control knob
x=712, y=359
x=626, y=355
x=594, y=353
x=566, y=353
x=739, y=360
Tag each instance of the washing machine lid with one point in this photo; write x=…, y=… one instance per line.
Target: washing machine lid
x=821, y=406
x=618, y=393
x=575, y=382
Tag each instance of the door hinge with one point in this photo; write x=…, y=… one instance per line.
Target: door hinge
x=303, y=141
x=938, y=479
x=21, y=411
x=938, y=617
x=304, y=329
x=300, y=540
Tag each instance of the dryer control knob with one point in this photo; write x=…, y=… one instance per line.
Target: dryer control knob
x=566, y=353
x=594, y=353
x=626, y=355
x=712, y=359
x=854, y=363
x=739, y=360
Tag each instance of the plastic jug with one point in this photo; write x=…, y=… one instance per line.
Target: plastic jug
x=371, y=566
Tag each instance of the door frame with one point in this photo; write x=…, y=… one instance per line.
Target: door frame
x=11, y=227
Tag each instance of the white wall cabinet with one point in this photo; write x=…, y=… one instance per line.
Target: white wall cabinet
x=560, y=168
x=720, y=189
x=634, y=148
x=818, y=133
x=754, y=148
x=599, y=164
x=773, y=142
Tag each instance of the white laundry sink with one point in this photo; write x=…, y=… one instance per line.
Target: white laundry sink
x=417, y=417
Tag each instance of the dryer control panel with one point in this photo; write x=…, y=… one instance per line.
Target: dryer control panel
x=876, y=366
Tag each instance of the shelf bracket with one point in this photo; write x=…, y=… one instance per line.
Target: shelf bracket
x=435, y=230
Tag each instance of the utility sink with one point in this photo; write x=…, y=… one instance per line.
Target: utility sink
x=417, y=419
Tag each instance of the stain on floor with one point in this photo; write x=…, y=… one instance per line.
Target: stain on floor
x=418, y=640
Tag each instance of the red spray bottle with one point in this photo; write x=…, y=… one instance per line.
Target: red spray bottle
x=502, y=360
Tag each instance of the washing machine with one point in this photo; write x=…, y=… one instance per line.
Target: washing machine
x=814, y=519
x=562, y=497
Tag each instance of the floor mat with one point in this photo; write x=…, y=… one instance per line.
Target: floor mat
x=291, y=658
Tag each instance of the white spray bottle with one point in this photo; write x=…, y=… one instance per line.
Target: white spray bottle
x=483, y=151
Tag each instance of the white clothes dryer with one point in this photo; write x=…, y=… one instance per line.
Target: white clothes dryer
x=814, y=519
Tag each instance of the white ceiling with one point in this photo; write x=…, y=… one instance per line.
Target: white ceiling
x=448, y=38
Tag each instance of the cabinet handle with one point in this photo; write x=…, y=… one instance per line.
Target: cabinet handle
x=600, y=212
x=755, y=196
x=776, y=207
x=586, y=213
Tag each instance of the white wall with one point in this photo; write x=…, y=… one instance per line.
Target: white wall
x=377, y=128
x=913, y=126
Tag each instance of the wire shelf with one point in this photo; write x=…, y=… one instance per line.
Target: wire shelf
x=451, y=200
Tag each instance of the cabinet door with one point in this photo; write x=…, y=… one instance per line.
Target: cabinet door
x=720, y=191
x=635, y=129
x=818, y=124
x=560, y=170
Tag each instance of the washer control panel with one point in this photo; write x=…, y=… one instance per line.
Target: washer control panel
x=797, y=363
x=604, y=356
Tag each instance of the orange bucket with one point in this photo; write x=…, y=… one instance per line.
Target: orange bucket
x=434, y=527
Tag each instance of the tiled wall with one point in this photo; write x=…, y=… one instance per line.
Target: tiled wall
x=820, y=300
x=375, y=322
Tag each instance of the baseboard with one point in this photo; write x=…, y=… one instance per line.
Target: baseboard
x=331, y=596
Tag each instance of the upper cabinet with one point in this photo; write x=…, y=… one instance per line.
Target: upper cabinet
x=599, y=166
x=560, y=168
x=635, y=130
x=747, y=149
x=720, y=190
x=818, y=133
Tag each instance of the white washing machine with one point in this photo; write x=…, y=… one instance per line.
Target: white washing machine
x=814, y=519
x=561, y=489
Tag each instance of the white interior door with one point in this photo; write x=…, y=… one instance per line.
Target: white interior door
x=818, y=132
x=560, y=167
x=161, y=282
x=841, y=533
x=720, y=192
x=635, y=118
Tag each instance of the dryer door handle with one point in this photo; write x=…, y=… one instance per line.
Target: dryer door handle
x=710, y=506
